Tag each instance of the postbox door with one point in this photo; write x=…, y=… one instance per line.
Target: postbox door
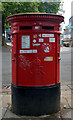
x=37, y=59
x=14, y=57
x=58, y=58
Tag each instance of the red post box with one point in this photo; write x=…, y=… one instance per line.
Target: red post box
x=35, y=63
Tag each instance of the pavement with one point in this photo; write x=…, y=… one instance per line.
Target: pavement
x=66, y=110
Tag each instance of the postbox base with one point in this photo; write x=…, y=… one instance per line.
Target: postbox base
x=35, y=101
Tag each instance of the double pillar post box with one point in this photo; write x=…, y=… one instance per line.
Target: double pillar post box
x=35, y=63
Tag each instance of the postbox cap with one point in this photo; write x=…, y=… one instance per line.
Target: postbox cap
x=37, y=16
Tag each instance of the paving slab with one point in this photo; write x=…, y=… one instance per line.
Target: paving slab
x=72, y=114
x=64, y=103
x=0, y=113
x=11, y=115
x=72, y=101
x=64, y=87
x=4, y=112
x=67, y=98
x=6, y=99
x=66, y=113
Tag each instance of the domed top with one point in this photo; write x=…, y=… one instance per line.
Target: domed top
x=35, y=16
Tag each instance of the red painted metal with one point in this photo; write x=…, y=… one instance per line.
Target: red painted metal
x=41, y=65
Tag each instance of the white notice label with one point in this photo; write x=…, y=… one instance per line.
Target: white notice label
x=51, y=39
x=41, y=40
x=25, y=41
x=34, y=51
x=36, y=44
x=47, y=35
x=28, y=51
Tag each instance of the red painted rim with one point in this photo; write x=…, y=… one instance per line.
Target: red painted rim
x=35, y=15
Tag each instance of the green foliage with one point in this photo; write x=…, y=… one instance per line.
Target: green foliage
x=49, y=7
x=10, y=8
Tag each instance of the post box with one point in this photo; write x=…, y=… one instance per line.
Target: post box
x=35, y=84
